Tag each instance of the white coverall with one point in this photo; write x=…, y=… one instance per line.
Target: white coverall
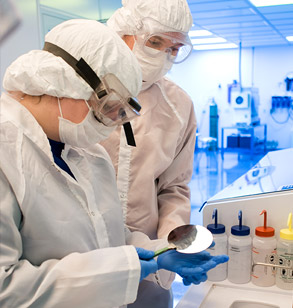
x=52, y=226
x=153, y=177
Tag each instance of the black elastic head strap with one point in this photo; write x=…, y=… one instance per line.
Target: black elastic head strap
x=129, y=134
x=88, y=75
x=80, y=66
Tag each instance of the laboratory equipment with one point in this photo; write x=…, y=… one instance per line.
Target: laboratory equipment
x=289, y=83
x=244, y=103
x=254, y=175
x=264, y=247
x=218, y=273
x=251, y=199
x=214, y=120
x=284, y=277
x=250, y=138
x=270, y=175
x=239, y=251
x=188, y=239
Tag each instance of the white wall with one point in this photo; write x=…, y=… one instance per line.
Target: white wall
x=206, y=74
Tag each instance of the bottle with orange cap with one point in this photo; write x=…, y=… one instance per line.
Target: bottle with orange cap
x=284, y=277
x=264, y=245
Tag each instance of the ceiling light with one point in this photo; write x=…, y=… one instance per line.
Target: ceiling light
x=194, y=33
x=289, y=38
x=215, y=46
x=258, y=3
x=208, y=40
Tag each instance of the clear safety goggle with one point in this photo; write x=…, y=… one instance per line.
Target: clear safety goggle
x=177, y=46
x=112, y=103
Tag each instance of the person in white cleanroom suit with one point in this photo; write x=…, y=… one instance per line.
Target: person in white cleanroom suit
x=153, y=177
x=63, y=241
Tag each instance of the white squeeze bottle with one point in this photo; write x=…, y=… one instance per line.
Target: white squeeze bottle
x=264, y=247
x=218, y=273
x=239, y=251
x=284, y=277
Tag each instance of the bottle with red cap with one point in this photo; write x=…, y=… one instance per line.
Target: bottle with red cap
x=264, y=247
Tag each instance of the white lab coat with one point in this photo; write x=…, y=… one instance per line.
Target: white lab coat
x=62, y=241
x=153, y=177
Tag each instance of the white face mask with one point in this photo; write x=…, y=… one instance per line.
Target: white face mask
x=90, y=131
x=153, y=68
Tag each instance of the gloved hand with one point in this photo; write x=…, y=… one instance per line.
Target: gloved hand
x=147, y=263
x=192, y=268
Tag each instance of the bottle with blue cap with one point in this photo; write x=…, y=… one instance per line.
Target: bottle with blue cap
x=218, y=273
x=239, y=251
x=284, y=277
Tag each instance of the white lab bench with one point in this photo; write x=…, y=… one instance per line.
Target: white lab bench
x=223, y=294
x=255, y=191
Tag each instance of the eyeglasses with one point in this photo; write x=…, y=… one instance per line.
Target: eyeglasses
x=177, y=46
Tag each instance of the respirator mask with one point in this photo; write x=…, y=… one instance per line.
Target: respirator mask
x=110, y=102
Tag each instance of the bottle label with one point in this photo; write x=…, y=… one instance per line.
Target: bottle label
x=264, y=256
x=240, y=249
x=239, y=264
x=286, y=274
x=263, y=275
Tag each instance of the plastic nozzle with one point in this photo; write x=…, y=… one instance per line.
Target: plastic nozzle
x=240, y=230
x=215, y=216
x=240, y=219
x=216, y=228
x=289, y=222
x=264, y=231
x=264, y=212
x=287, y=234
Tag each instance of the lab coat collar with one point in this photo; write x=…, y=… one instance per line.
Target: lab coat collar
x=24, y=120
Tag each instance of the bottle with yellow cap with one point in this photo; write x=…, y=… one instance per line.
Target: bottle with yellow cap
x=264, y=247
x=284, y=277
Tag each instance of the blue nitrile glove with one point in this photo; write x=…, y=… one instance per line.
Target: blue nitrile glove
x=193, y=267
x=148, y=265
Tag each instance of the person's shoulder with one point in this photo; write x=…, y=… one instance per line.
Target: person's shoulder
x=174, y=91
x=177, y=98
